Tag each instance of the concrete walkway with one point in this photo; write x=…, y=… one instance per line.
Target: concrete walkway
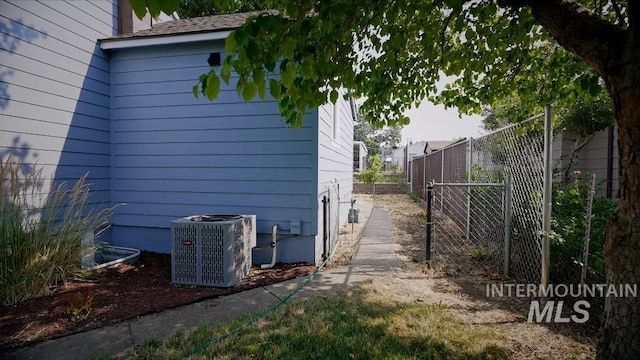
x=374, y=256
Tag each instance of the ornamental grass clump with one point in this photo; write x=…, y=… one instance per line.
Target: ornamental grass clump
x=41, y=232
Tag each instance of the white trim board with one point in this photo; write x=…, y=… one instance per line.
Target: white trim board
x=135, y=42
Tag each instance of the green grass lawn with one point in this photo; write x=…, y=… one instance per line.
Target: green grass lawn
x=349, y=324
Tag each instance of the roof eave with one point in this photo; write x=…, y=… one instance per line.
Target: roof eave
x=137, y=42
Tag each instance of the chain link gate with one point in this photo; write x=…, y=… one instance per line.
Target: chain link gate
x=469, y=220
x=516, y=152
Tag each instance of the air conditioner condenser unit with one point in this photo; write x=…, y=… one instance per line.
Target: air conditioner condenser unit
x=212, y=250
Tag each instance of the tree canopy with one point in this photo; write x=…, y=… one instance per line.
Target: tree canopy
x=585, y=116
x=376, y=139
x=393, y=53
x=197, y=8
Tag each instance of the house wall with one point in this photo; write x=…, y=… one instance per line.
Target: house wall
x=54, y=88
x=591, y=159
x=360, y=153
x=397, y=158
x=335, y=159
x=174, y=155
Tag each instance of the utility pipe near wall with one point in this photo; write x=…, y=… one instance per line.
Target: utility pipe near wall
x=274, y=238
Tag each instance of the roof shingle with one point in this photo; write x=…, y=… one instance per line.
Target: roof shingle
x=213, y=23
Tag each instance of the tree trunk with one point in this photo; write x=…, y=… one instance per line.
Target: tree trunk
x=613, y=51
x=620, y=333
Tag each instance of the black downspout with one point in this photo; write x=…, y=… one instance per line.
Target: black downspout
x=325, y=203
x=610, y=163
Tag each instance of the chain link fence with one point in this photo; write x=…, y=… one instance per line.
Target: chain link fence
x=469, y=198
x=468, y=221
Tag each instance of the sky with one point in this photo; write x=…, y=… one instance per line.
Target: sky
x=433, y=122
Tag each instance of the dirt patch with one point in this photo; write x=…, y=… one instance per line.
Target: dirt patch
x=115, y=295
x=460, y=285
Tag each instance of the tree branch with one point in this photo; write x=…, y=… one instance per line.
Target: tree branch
x=443, y=32
x=633, y=8
x=598, y=42
x=454, y=11
x=616, y=8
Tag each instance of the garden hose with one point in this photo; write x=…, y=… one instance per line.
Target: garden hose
x=257, y=317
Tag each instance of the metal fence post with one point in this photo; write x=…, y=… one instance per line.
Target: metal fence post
x=587, y=233
x=442, y=178
x=508, y=189
x=429, y=221
x=546, y=195
x=469, y=164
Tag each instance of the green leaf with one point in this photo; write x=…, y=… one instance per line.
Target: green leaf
x=225, y=73
x=154, y=7
x=240, y=85
x=230, y=43
x=307, y=70
x=249, y=91
x=292, y=9
x=288, y=46
x=274, y=88
x=270, y=66
x=289, y=74
x=212, y=88
x=258, y=76
x=139, y=7
x=285, y=104
x=253, y=50
x=196, y=90
x=241, y=37
x=333, y=96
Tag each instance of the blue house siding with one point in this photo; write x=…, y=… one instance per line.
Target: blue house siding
x=54, y=88
x=175, y=155
x=335, y=156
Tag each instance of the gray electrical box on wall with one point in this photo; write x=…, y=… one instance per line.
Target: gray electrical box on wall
x=353, y=216
x=296, y=227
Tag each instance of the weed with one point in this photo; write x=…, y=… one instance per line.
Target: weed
x=76, y=305
x=479, y=254
x=414, y=196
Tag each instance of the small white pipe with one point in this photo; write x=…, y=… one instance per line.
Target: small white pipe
x=274, y=236
x=128, y=255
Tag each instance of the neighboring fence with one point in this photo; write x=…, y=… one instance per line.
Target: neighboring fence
x=470, y=216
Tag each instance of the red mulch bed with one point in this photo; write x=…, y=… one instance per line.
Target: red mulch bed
x=115, y=295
